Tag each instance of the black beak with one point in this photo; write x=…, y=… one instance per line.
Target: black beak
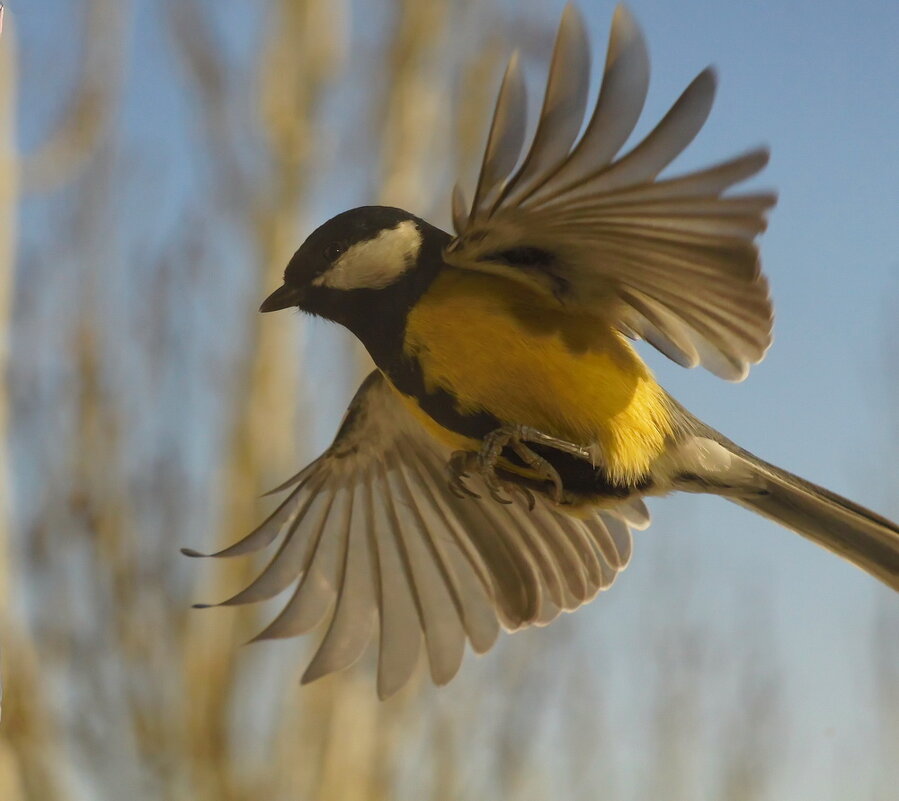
x=282, y=298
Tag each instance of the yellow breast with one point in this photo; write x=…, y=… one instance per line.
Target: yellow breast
x=500, y=347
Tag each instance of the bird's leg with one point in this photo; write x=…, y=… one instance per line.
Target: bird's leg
x=491, y=448
x=515, y=437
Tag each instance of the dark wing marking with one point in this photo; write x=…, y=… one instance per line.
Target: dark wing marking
x=672, y=261
x=376, y=542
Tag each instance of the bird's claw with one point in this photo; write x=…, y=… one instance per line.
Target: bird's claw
x=463, y=463
x=460, y=466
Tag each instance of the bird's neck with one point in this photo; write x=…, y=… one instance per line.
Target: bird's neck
x=378, y=317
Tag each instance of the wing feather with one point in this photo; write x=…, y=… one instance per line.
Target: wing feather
x=572, y=573
x=564, y=103
x=371, y=532
x=604, y=542
x=438, y=608
x=506, y=135
x=601, y=225
x=519, y=541
x=575, y=532
x=295, y=554
x=621, y=536
x=470, y=578
x=351, y=626
x=512, y=568
x=618, y=108
x=400, y=628
x=314, y=595
x=268, y=530
x=539, y=544
x=633, y=511
x=663, y=144
x=505, y=577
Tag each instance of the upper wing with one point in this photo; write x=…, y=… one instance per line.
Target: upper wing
x=671, y=261
x=373, y=533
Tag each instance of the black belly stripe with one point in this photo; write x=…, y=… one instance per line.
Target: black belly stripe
x=406, y=375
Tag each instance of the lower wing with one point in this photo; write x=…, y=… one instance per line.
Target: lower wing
x=373, y=534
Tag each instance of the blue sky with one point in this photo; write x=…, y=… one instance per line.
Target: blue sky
x=819, y=83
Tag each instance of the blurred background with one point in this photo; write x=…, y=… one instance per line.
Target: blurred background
x=159, y=164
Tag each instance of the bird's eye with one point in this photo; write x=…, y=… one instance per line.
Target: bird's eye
x=333, y=250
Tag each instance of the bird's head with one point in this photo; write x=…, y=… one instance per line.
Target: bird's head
x=344, y=264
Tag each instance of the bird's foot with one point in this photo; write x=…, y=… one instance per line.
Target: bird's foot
x=463, y=463
x=461, y=466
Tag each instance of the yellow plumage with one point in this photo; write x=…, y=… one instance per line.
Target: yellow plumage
x=500, y=347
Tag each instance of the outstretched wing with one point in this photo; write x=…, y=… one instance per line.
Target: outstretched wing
x=374, y=535
x=673, y=261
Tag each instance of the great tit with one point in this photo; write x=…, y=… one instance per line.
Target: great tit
x=490, y=470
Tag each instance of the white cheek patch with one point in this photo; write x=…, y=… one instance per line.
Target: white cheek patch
x=377, y=262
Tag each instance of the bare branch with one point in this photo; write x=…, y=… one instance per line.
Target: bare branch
x=87, y=119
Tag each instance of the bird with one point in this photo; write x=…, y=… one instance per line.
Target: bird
x=489, y=472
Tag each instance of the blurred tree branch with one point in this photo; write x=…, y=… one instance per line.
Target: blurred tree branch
x=87, y=119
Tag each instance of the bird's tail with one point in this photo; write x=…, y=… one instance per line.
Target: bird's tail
x=859, y=535
x=863, y=537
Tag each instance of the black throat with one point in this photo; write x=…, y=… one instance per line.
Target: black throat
x=378, y=317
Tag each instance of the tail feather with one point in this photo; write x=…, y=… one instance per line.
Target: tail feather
x=859, y=535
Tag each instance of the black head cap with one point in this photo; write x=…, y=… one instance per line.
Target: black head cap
x=327, y=262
